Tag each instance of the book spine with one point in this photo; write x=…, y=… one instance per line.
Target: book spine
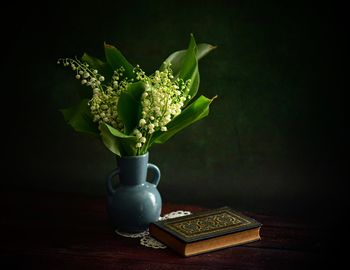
x=167, y=239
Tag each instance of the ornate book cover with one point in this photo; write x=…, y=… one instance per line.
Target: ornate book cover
x=206, y=231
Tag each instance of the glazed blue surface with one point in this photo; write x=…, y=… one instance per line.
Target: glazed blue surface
x=135, y=202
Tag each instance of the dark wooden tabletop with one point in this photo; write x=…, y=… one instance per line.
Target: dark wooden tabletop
x=62, y=231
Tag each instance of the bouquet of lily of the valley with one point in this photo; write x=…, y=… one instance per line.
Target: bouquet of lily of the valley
x=131, y=111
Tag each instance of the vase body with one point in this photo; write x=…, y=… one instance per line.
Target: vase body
x=135, y=202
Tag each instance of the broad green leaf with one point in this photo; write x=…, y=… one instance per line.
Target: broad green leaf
x=129, y=105
x=117, y=133
x=184, y=64
x=189, y=63
x=193, y=113
x=176, y=58
x=194, y=85
x=189, y=69
x=118, y=142
x=102, y=67
x=110, y=141
x=203, y=49
x=116, y=60
x=129, y=147
x=79, y=117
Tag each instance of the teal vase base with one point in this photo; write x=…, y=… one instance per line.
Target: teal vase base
x=135, y=201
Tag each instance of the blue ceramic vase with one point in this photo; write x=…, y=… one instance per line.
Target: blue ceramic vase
x=135, y=202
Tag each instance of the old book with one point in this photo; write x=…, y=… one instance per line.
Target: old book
x=206, y=231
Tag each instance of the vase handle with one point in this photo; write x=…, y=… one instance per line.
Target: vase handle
x=109, y=185
x=156, y=174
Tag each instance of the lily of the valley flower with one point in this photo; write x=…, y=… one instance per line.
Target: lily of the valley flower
x=162, y=100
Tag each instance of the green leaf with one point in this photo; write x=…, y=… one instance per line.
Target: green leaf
x=110, y=141
x=194, y=85
x=79, y=117
x=118, y=142
x=193, y=113
x=184, y=64
x=189, y=69
x=189, y=63
x=102, y=67
x=129, y=105
x=203, y=49
x=176, y=58
x=116, y=60
x=117, y=133
x=92, y=61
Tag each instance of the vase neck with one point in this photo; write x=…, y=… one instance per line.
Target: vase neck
x=132, y=169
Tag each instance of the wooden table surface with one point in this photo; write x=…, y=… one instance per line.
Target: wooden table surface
x=66, y=231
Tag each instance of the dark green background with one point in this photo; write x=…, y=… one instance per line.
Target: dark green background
x=272, y=142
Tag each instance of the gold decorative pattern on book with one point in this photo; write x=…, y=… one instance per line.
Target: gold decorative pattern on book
x=201, y=225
